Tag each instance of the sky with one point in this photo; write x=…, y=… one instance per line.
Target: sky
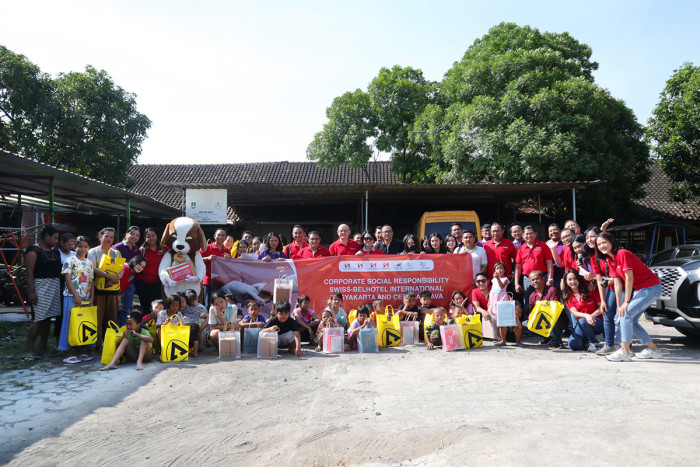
x=233, y=81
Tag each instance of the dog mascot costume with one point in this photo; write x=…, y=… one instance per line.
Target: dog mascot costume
x=184, y=238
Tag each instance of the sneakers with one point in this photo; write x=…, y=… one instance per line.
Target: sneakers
x=607, y=350
x=593, y=347
x=620, y=356
x=649, y=353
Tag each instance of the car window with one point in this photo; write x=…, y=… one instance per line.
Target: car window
x=686, y=252
x=663, y=256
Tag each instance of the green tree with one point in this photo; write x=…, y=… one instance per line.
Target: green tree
x=82, y=122
x=674, y=131
x=380, y=119
x=521, y=106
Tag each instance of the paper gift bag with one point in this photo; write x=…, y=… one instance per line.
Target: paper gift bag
x=471, y=331
x=112, y=266
x=82, y=328
x=267, y=345
x=368, y=340
x=451, y=336
x=250, y=340
x=174, y=342
x=543, y=317
x=505, y=314
x=230, y=344
x=389, y=327
x=282, y=289
x=111, y=340
x=409, y=332
x=333, y=340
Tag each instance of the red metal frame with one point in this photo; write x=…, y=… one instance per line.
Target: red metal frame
x=9, y=265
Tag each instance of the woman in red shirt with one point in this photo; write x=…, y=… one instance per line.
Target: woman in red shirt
x=480, y=295
x=148, y=285
x=367, y=242
x=585, y=307
x=641, y=287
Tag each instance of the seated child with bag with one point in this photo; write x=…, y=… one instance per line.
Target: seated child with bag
x=308, y=319
x=222, y=317
x=156, y=307
x=378, y=308
x=136, y=345
x=253, y=319
x=191, y=315
x=172, y=308
x=335, y=306
x=361, y=322
x=409, y=310
x=432, y=332
x=327, y=321
x=286, y=327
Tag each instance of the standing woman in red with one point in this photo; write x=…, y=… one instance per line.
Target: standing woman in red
x=367, y=242
x=148, y=285
x=641, y=286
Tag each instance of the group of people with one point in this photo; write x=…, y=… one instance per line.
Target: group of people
x=603, y=287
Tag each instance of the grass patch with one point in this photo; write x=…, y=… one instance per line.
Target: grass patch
x=13, y=344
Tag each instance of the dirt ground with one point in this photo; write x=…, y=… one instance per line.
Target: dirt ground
x=404, y=406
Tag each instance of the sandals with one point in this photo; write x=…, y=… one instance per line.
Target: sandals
x=85, y=358
x=71, y=360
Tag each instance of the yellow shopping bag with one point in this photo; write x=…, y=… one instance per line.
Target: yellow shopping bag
x=112, y=266
x=174, y=342
x=112, y=338
x=471, y=330
x=153, y=331
x=352, y=316
x=543, y=317
x=82, y=328
x=389, y=327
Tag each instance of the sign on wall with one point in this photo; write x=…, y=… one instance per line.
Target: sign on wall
x=206, y=206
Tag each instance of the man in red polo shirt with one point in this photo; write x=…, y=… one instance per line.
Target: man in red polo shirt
x=292, y=249
x=314, y=249
x=533, y=255
x=344, y=245
x=499, y=249
x=212, y=251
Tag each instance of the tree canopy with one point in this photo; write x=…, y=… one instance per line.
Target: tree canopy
x=674, y=131
x=379, y=119
x=520, y=106
x=82, y=122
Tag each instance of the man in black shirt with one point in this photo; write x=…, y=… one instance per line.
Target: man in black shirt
x=287, y=329
x=389, y=246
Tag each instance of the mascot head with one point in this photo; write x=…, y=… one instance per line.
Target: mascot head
x=184, y=236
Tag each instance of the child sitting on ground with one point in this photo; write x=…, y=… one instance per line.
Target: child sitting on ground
x=172, y=309
x=327, y=321
x=361, y=322
x=191, y=316
x=335, y=306
x=136, y=345
x=409, y=310
x=378, y=308
x=222, y=317
x=253, y=319
x=432, y=332
x=455, y=312
x=286, y=328
x=156, y=307
x=308, y=320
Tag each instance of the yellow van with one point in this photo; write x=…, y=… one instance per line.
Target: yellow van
x=441, y=221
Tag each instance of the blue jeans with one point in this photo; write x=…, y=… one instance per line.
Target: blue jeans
x=611, y=322
x=629, y=322
x=584, y=332
x=127, y=302
x=207, y=295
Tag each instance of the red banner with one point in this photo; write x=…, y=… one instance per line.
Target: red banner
x=361, y=279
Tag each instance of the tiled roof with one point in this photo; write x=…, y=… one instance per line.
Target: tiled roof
x=657, y=204
x=152, y=180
